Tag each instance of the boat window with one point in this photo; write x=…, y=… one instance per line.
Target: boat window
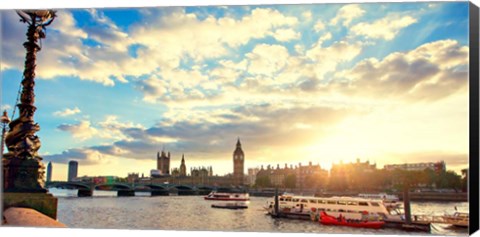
x=295, y=200
x=331, y=202
x=322, y=201
x=288, y=199
x=313, y=201
x=281, y=199
x=304, y=200
x=342, y=203
x=375, y=204
x=362, y=203
x=352, y=203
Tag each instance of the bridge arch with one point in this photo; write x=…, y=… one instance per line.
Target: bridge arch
x=113, y=187
x=69, y=185
x=150, y=187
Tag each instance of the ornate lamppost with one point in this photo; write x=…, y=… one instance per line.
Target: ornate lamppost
x=23, y=170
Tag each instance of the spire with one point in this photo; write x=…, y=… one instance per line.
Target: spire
x=238, y=142
x=183, y=159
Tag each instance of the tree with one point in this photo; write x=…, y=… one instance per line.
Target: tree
x=290, y=181
x=263, y=182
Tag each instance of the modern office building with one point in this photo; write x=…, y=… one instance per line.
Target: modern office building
x=72, y=170
x=49, y=172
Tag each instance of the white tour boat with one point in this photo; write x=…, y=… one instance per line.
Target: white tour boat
x=382, y=196
x=348, y=207
x=228, y=196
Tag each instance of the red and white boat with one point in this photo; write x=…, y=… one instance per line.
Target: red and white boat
x=326, y=219
x=224, y=196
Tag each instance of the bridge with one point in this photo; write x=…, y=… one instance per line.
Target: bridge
x=127, y=189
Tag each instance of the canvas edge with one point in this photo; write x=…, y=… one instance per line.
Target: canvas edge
x=473, y=173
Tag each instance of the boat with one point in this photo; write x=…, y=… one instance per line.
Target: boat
x=458, y=219
x=382, y=196
x=326, y=219
x=354, y=208
x=227, y=196
x=233, y=206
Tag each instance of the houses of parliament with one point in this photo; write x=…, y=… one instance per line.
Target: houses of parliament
x=198, y=175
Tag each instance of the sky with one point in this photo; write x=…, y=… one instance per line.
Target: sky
x=385, y=83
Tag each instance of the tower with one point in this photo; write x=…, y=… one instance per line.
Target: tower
x=49, y=172
x=183, y=168
x=72, y=170
x=163, y=163
x=238, y=164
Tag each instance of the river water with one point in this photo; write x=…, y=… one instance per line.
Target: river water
x=106, y=211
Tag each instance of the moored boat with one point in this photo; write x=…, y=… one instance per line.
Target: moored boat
x=234, y=206
x=349, y=207
x=227, y=196
x=458, y=219
x=326, y=219
x=383, y=196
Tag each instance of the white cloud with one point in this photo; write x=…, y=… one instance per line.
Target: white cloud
x=430, y=72
x=327, y=58
x=347, y=13
x=6, y=107
x=319, y=26
x=81, y=131
x=209, y=38
x=386, y=28
x=267, y=59
x=307, y=15
x=285, y=35
x=67, y=112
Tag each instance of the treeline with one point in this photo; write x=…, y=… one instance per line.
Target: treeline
x=372, y=180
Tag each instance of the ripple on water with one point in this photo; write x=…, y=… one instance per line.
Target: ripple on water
x=194, y=213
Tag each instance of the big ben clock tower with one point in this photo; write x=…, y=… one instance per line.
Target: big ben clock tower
x=238, y=164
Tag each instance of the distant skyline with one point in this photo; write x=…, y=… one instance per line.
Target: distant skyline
x=383, y=82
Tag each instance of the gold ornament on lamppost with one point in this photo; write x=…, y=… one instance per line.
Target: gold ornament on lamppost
x=23, y=170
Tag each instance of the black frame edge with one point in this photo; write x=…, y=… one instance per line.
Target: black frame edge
x=473, y=179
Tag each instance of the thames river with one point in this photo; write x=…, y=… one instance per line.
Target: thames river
x=105, y=210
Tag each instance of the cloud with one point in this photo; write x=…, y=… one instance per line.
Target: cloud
x=82, y=130
x=285, y=35
x=6, y=107
x=319, y=26
x=67, y=112
x=267, y=59
x=346, y=14
x=327, y=58
x=386, y=28
x=110, y=128
x=185, y=35
x=83, y=156
x=214, y=133
x=307, y=15
x=430, y=72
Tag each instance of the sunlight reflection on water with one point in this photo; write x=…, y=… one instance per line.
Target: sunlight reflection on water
x=194, y=213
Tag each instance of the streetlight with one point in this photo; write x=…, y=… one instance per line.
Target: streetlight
x=22, y=167
x=4, y=120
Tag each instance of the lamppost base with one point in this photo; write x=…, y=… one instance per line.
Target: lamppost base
x=23, y=175
x=45, y=203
